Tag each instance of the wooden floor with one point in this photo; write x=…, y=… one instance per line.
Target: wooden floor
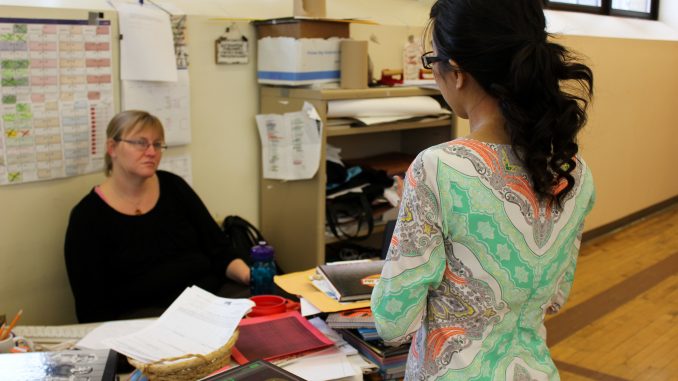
x=621, y=321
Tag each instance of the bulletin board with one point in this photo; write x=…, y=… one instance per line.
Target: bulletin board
x=57, y=95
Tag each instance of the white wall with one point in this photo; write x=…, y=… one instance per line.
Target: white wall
x=668, y=13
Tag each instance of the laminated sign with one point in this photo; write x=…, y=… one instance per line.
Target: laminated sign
x=231, y=47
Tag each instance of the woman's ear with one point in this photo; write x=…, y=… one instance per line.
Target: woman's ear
x=459, y=75
x=110, y=146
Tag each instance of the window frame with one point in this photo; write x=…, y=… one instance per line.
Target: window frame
x=605, y=8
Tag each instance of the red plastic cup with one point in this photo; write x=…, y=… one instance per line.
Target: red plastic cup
x=268, y=305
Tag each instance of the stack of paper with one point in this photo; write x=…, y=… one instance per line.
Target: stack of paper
x=384, y=110
x=198, y=322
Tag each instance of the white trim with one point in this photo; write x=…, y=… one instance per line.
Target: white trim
x=584, y=24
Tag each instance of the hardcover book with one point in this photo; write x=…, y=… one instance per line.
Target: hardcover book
x=352, y=280
x=94, y=365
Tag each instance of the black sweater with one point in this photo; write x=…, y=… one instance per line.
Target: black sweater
x=118, y=263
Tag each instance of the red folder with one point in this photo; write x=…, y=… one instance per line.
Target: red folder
x=274, y=337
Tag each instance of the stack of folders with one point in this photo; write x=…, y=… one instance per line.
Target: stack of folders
x=348, y=281
x=390, y=360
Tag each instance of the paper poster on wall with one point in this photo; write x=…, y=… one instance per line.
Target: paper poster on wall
x=57, y=98
x=146, y=45
x=177, y=164
x=169, y=101
x=179, y=37
x=290, y=144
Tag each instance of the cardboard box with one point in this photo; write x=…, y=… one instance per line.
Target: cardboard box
x=309, y=8
x=298, y=61
x=295, y=52
x=301, y=28
x=354, y=63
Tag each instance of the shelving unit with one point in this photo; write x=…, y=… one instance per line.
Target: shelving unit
x=293, y=212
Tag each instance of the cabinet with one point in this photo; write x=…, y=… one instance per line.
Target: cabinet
x=293, y=212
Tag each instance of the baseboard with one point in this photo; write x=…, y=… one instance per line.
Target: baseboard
x=614, y=225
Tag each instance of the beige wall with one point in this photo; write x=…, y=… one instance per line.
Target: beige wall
x=632, y=132
x=634, y=103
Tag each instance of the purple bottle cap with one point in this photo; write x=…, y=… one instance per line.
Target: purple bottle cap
x=262, y=252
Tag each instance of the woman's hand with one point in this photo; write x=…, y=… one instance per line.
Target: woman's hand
x=238, y=271
x=400, y=186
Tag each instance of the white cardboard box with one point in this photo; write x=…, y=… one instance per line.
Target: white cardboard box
x=302, y=61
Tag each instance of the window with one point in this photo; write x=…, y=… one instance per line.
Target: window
x=645, y=9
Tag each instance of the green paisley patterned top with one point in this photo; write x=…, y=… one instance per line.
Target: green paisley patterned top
x=475, y=261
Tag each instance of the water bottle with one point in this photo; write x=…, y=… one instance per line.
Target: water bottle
x=262, y=269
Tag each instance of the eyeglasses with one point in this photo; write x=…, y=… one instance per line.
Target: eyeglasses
x=428, y=59
x=142, y=145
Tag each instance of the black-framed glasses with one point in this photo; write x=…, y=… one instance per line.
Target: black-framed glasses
x=142, y=144
x=428, y=59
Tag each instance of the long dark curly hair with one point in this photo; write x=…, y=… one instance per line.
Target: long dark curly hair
x=542, y=88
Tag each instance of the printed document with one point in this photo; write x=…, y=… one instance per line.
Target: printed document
x=197, y=322
x=146, y=45
x=290, y=144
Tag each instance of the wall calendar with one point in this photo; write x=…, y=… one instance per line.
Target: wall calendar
x=56, y=97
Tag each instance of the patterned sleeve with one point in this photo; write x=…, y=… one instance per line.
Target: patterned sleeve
x=416, y=256
x=565, y=283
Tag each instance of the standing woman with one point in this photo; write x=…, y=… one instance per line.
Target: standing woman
x=490, y=224
x=136, y=241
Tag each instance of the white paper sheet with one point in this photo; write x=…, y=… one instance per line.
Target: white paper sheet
x=177, y=164
x=290, y=144
x=307, y=308
x=330, y=364
x=147, y=47
x=169, y=101
x=111, y=330
x=405, y=106
x=197, y=322
x=322, y=367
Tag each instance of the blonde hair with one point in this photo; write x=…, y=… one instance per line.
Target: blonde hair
x=127, y=122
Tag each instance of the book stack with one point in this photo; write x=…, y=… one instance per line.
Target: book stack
x=357, y=318
x=390, y=360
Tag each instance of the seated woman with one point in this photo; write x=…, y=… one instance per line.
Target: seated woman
x=136, y=241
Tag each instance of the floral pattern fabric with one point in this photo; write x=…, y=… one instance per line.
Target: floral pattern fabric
x=475, y=261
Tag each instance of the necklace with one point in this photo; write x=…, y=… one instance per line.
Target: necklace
x=134, y=205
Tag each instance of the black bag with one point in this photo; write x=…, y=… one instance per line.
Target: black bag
x=349, y=213
x=353, y=208
x=241, y=236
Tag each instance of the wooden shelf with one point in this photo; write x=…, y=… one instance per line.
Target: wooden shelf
x=344, y=130
x=334, y=94
x=293, y=212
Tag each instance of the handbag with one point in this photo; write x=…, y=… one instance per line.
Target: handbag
x=347, y=214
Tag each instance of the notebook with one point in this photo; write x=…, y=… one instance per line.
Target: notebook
x=352, y=280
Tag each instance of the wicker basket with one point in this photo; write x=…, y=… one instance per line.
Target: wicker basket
x=194, y=366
